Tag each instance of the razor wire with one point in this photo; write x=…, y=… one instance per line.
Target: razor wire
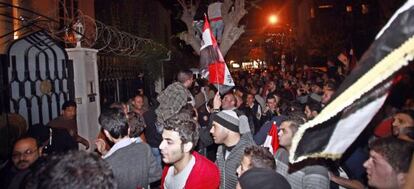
x=110, y=40
x=107, y=39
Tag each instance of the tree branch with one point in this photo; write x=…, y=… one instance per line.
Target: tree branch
x=232, y=12
x=192, y=40
x=189, y=36
x=237, y=13
x=232, y=31
x=225, y=7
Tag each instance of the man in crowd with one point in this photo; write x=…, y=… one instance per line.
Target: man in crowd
x=67, y=121
x=400, y=125
x=75, y=169
x=26, y=153
x=271, y=108
x=403, y=125
x=270, y=88
x=171, y=101
x=137, y=105
x=402, y=128
x=152, y=136
x=316, y=92
x=216, y=21
x=175, y=96
x=136, y=125
x=389, y=161
x=256, y=157
x=305, y=176
x=132, y=163
x=228, y=103
x=253, y=112
x=185, y=168
x=287, y=92
x=312, y=109
x=328, y=91
x=259, y=99
x=262, y=178
x=226, y=132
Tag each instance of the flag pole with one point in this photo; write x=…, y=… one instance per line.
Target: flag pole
x=218, y=85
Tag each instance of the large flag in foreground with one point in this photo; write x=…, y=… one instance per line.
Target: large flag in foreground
x=272, y=139
x=361, y=94
x=212, y=64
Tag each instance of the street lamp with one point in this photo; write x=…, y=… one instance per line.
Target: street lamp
x=273, y=19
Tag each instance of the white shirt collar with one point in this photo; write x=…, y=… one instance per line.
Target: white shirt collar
x=120, y=144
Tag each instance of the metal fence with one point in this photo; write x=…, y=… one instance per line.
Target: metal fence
x=39, y=78
x=119, y=78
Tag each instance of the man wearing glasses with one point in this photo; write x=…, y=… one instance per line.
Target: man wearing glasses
x=26, y=152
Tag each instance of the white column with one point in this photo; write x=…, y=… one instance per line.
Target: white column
x=85, y=70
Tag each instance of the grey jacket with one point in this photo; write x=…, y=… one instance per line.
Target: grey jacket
x=228, y=167
x=134, y=166
x=311, y=176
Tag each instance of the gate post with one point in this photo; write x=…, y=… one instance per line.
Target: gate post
x=86, y=91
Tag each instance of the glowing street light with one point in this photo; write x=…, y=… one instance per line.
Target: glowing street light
x=272, y=19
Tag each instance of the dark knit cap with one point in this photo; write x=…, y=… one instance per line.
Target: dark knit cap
x=228, y=119
x=263, y=178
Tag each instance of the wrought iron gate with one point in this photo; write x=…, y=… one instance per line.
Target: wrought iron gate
x=119, y=79
x=40, y=78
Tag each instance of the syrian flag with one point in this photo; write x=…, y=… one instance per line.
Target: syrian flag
x=272, y=139
x=212, y=64
x=361, y=94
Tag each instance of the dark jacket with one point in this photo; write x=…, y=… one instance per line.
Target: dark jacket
x=251, y=113
x=152, y=136
x=10, y=177
x=261, y=135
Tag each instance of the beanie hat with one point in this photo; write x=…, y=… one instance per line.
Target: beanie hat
x=263, y=178
x=228, y=119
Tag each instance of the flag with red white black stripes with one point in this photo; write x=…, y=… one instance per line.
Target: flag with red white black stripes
x=212, y=64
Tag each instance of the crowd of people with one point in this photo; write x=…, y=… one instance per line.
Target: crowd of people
x=195, y=137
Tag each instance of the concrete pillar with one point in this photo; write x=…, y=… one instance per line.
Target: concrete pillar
x=86, y=91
